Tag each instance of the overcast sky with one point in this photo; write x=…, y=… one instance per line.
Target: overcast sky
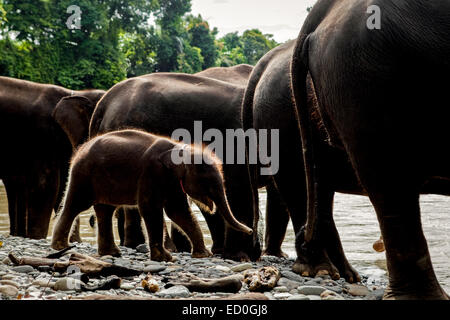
x=282, y=18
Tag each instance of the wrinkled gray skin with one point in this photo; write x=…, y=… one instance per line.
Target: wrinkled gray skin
x=162, y=102
x=268, y=104
x=382, y=99
x=38, y=129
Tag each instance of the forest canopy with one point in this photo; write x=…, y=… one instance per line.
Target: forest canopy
x=116, y=39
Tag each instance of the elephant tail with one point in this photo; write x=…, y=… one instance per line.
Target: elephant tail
x=299, y=73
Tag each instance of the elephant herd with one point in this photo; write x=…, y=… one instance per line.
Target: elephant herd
x=359, y=111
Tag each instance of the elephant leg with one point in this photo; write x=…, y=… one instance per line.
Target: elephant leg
x=15, y=192
x=216, y=226
x=76, y=201
x=323, y=253
x=133, y=233
x=277, y=219
x=75, y=235
x=179, y=211
x=105, y=236
x=42, y=196
x=120, y=215
x=168, y=242
x=153, y=215
x=237, y=245
x=179, y=239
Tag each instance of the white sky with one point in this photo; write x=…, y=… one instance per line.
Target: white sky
x=282, y=18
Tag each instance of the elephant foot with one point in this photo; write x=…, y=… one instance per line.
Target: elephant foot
x=434, y=294
x=109, y=251
x=315, y=259
x=160, y=254
x=203, y=253
x=59, y=244
x=276, y=253
x=239, y=256
x=217, y=250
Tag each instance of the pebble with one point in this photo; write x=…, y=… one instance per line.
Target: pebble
x=282, y=295
x=68, y=284
x=174, y=292
x=330, y=295
x=23, y=269
x=310, y=290
x=290, y=284
x=292, y=276
x=357, y=290
x=313, y=297
x=10, y=291
x=223, y=268
x=10, y=283
x=241, y=267
x=127, y=286
x=155, y=268
x=280, y=289
x=298, y=297
x=142, y=248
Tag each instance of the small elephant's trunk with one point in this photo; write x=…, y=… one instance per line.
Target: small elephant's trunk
x=224, y=208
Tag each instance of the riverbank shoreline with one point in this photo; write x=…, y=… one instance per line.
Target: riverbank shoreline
x=26, y=282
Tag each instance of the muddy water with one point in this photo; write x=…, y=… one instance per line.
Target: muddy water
x=357, y=224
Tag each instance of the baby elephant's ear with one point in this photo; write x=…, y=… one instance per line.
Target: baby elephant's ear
x=172, y=160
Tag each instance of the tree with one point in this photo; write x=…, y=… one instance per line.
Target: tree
x=255, y=44
x=200, y=36
x=169, y=43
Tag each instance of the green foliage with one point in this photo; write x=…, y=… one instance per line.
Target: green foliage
x=118, y=39
x=202, y=37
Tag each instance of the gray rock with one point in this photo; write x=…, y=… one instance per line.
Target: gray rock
x=313, y=297
x=23, y=269
x=44, y=268
x=127, y=286
x=335, y=289
x=155, y=268
x=10, y=283
x=223, y=268
x=357, y=290
x=292, y=276
x=68, y=284
x=174, y=292
x=298, y=297
x=290, y=284
x=330, y=295
x=282, y=295
x=311, y=290
x=241, y=267
x=280, y=289
x=375, y=295
x=9, y=291
x=142, y=248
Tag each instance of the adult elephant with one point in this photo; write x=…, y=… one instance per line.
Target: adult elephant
x=163, y=102
x=39, y=126
x=268, y=104
x=382, y=99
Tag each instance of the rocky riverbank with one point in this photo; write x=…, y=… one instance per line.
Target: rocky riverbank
x=153, y=279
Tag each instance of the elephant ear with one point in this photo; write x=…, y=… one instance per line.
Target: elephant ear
x=73, y=115
x=178, y=169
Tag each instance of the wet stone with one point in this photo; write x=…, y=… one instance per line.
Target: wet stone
x=23, y=269
x=241, y=267
x=142, y=248
x=311, y=290
x=174, y=292
x=292, y=276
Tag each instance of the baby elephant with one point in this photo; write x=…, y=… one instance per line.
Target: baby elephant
x=131, y=167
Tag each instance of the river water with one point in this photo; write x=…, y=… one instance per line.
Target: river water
x=357, y=224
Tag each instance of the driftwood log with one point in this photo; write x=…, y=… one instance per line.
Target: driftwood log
x=231, y=284
x=87, y=265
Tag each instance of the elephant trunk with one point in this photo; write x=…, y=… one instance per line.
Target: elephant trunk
x=224, y=208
